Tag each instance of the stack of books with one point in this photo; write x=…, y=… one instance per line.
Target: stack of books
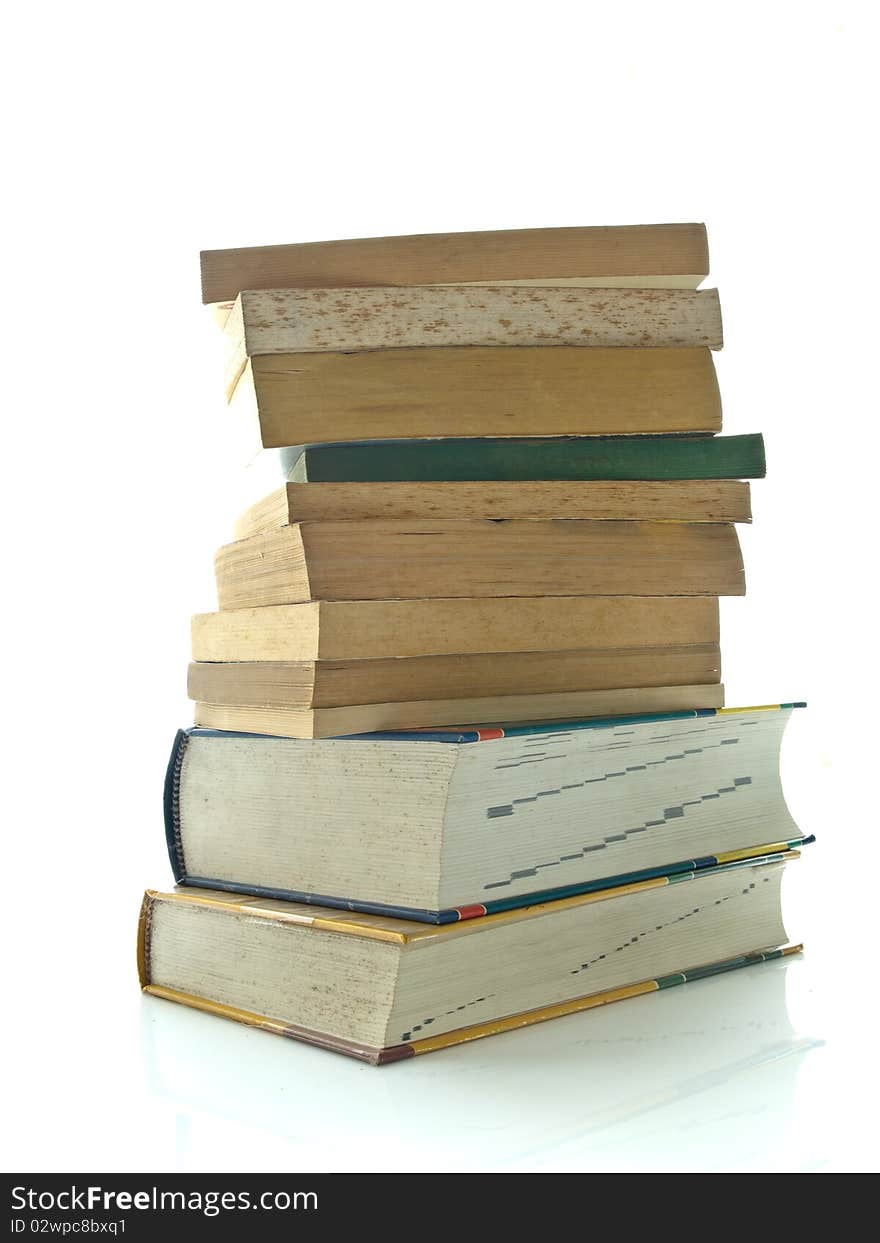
x=461, y=761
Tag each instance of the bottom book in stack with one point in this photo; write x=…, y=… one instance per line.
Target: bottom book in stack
x=415, y=890
x=382, y=989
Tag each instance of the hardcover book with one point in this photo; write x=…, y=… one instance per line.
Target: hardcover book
x=445, y=825
x=384, y=990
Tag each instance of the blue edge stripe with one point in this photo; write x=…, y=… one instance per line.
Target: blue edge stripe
x=685, y=867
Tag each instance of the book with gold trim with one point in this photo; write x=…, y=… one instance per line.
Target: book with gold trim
x=383, y=990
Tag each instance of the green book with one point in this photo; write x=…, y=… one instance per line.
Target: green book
x=575, y=457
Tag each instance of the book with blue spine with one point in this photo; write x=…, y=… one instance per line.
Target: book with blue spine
x=443, y=826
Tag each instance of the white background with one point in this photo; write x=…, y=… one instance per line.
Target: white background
x=138, y=135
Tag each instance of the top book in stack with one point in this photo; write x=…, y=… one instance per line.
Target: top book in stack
x=445, y=335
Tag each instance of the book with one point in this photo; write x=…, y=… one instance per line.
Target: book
x=432, y=713
x=383, y=990
x=373, y=629
x=449, y=824
x=659, y=254
x=296, y=398
x=309, y=321
x=498, y=459
x=337, y=683
x=689, y=500
x=406, y=559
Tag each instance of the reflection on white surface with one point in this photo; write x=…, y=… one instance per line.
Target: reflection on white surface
x=705, y=1076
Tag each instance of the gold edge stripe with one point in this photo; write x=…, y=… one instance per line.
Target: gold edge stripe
x=143, y=966
x=750, y=708
x=217, y=1008
x=198, y=899
x=529, y=912
x=792, y=949
x=361, y=930
x=246, y=906
x=600, y=895
x=495, y=1026
x=755, y=852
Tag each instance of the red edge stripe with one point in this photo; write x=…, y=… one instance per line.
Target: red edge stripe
x=484, y=735
x=470, y=912
x=395, y=1053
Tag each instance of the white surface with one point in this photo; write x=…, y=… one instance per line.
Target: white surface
x=139, y=137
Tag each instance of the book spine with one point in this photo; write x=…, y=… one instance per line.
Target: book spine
x=171, y=806
x=382, y=909
x=562, y=458
x=143, y=938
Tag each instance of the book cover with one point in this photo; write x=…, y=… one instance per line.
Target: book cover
x=499, y=902
x=562, y=458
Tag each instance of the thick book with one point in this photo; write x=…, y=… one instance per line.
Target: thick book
x=687, y=500
x=445, y=825
x=350, y=630
x=299, y=398
x=512, y=459
x=383, y=990
x=322, y=321
x=662, y=255
x=411, y=714
x=407, y=559
x=337, y=683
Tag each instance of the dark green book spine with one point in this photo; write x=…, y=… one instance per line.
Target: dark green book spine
x=581, y=457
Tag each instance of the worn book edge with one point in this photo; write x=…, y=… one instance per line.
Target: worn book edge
x=490, y=733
